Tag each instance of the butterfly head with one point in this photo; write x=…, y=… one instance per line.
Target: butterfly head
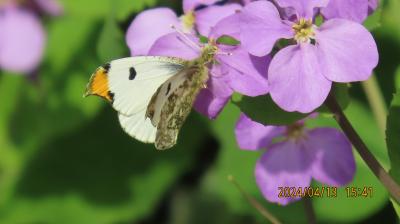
x=209, y=51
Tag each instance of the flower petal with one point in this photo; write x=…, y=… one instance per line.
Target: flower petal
x=159, y=20
x=304, y=8
x=210, y=105
x=295, y=79
x=51, y=7
x=334, y=162
x=210, y=16
x=372, y=6
x=251, y=135
x=174, y=45
x=229, y=26
x=217, y=83
x=261, y=26
x=190, y=5
x=284, y=164
x=347, y=51
x=247, y=73
x=356, y=10
x=22, y=40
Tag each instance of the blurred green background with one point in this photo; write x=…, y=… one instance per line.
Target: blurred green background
x=65, y=159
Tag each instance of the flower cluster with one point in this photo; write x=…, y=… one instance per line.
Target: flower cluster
x=291, y=49
x=22, y=36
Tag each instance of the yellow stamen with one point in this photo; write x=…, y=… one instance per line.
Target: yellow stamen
x=304, y=30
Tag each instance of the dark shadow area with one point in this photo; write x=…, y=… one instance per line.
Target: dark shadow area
x=99, y=160
x=386, y=215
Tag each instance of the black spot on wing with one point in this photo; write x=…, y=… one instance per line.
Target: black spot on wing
x=107, y=67
x=132, y=73
x=168, y=88
x=111, y=95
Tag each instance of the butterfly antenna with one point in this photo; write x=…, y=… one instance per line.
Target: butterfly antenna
x=186, y=39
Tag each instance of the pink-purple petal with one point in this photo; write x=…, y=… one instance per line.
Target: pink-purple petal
x=284, y=164
x=372, y=6
x=347, y=51
x=355, y=10
x=304, y=8
x=247, y=74
x=229, y=26
x=175, y=45
x=51, y=7
x=210, y=16
x=334, y=162
x=22, y=40
x=295, y=79
x=261, y=26
x=251, y=135
x=210, y=105
x=147, y=27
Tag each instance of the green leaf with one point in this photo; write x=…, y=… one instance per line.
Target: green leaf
x=263, y=110
x=393, y=137
x=227, y=40
x=341, y=91
x=203, y=39
x=111, y=43
x=397, y=79
x=101, y=9
x=374, y=21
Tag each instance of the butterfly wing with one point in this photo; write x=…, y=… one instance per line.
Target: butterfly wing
x=138, y=127
x=129, y=84
x=173, y=102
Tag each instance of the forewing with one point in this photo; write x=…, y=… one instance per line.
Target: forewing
x=129, y=83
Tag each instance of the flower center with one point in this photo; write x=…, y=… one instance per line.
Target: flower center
x=304, y=30
x=295, y=131
x=188, y=21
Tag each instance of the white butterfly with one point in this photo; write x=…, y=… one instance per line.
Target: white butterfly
x=153, y=95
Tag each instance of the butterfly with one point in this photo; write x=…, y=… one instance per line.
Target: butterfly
x=153, y=95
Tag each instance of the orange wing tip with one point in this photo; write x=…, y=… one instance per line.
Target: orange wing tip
x=98, y=84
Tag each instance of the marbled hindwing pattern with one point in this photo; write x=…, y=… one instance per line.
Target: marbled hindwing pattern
x=176, y=104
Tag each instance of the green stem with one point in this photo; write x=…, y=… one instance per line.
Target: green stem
x=376, y=101
x=309, y=208
x=362, y=149
x=263, y=211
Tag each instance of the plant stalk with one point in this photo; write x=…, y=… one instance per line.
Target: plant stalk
x=263, y=211
x=376, y=101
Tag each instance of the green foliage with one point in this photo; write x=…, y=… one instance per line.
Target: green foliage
x=263, y=110
x=111, y=41
x=341, y=91
x=227, y=40
x=393, y=137
x=374, y=21
x=393, y=142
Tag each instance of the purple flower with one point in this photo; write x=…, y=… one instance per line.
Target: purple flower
x=22, y=36
x=296, y=155
x=234, y=70
x=159, y=20
x=300, y=75
x=356, y=10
